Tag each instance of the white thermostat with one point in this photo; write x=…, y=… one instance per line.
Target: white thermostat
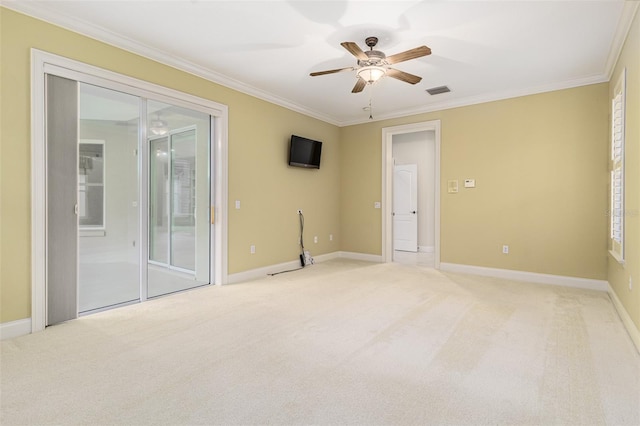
x=469, y=183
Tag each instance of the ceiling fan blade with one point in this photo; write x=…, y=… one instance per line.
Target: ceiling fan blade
x=355, y=50
x=359, y=86
x=409, y=54
x=403, y=76
x=313, y=74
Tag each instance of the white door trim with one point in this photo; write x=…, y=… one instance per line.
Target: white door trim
x=387, y=184
x=43, y=63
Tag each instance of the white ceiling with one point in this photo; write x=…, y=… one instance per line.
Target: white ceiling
x=482, y=50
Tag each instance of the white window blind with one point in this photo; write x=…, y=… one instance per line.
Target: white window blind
x=616, y=208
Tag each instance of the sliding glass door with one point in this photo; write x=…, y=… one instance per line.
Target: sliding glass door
x=172, y=201
x=179, y=199
x=108, y=198
x=159, y=201
x=96, y=208
x=122, y=182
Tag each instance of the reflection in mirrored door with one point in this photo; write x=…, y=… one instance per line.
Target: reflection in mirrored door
x=159, y=201
x=107, y=203
x=173, y=200
x=183, y=200
x=179, y=199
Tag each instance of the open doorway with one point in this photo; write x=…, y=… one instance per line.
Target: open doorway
x=411, y=227
x=414, y=197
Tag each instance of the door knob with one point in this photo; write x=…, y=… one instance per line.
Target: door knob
x=413, y=212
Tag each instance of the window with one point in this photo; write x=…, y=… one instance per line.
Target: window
x=616, y=161
x=91, y=191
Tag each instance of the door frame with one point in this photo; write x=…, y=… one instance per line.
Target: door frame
x=387, y=184
x=43, y=63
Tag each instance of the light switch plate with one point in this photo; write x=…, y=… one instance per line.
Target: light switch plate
x=452, y=186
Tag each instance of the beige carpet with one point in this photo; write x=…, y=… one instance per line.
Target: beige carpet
x=341, y=342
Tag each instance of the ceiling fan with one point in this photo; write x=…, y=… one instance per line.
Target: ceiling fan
x=374, y=64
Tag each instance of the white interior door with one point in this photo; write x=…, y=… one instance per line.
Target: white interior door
x=405, y=202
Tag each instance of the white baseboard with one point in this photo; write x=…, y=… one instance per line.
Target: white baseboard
x=360, y=256
x=254, y=274
x=9, y=330
x=532, y=277
x=634, y=333
x=324, y=257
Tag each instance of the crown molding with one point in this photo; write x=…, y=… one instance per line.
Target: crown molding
x=492, y=97
x=622, y=31
x=45, y=13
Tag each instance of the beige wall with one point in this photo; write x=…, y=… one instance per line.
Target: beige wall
x=360, y=183
x=619, y=274
x=269, y=191
x=541, y=183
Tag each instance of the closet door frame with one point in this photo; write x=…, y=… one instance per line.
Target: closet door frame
x=43, y=63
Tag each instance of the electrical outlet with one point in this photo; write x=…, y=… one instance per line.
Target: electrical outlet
x=505, y=249
x=315, y=239
x=330, y=237
x=252, y=249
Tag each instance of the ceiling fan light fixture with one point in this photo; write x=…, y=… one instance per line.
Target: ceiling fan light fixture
x=371, y=74
x=158, y=127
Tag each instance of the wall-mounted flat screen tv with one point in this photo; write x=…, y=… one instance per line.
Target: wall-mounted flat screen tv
x=304, y=152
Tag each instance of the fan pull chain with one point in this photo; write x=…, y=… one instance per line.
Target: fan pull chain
x=370, y=101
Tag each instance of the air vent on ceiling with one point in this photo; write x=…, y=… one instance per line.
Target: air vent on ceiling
x=438, y=90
